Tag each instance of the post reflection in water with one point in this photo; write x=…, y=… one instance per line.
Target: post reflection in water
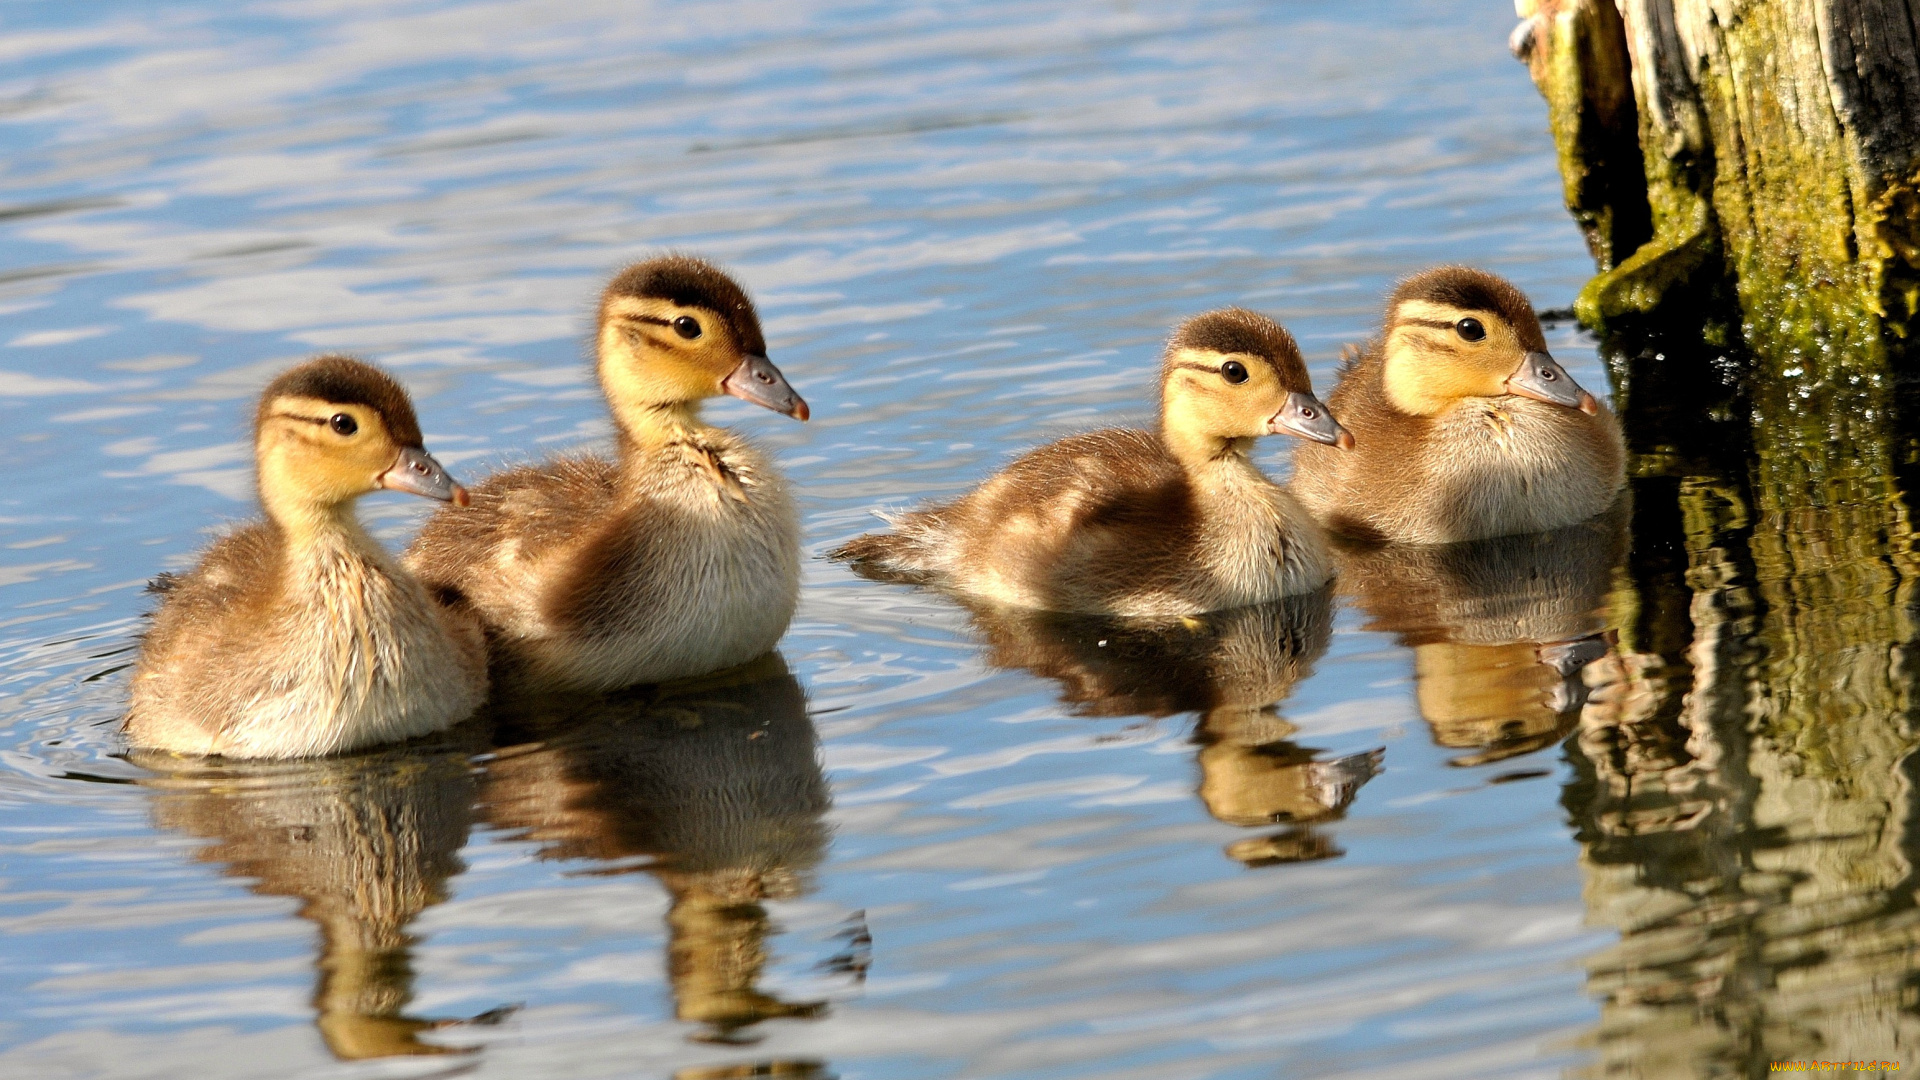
x=364, y=842
x=715, y=789
x=1502, y=630
x=1232, y=668
x=1744, y=796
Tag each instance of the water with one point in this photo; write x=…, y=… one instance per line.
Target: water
x=1634, y=814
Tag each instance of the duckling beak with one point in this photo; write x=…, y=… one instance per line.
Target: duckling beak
x=1303, y=415
x=416, y=473
x=758, y=381
x=1541, y=378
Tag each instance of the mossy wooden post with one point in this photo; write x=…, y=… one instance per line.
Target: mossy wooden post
x=1749, y=792
x=1778, y=148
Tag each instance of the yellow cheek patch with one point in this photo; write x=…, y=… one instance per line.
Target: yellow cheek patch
x=1429, y=369
x=1197, y=400
x=646, y=365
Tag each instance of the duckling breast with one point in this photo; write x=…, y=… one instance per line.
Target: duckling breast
x=1258, y=543
x=327, y=650
x=363, y=656
x=698, y=570
x=1512, y=465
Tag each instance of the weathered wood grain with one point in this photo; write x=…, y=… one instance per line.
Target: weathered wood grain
x=1779, y=145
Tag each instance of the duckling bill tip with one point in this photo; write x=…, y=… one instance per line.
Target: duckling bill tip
x=758, y=381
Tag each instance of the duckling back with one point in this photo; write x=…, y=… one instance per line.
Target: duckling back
x=1108, y=522
x=595, y=575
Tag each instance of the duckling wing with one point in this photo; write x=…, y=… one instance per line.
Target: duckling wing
x=239, y=572
x=1080, y=522
x=495, y=552
x=1064, y=528
x=196, y=654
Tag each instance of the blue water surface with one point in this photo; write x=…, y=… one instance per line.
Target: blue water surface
x=968, y=227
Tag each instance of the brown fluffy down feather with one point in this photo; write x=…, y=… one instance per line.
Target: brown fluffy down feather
x=236, y=659
x=692, y=282
x=304, y=639
x=593, y=574
x=1490, y=466
x=346, y=381
x=1106, y=522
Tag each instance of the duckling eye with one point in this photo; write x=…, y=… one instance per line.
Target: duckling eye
x=1471, y=330
x=687, y=327
x=343, y=424
x=1233, y=371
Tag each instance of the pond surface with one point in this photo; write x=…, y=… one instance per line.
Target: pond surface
x=1529, y=808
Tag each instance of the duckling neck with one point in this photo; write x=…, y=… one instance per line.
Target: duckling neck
x=647, y=427
x=1201, y=453
x=314, y=528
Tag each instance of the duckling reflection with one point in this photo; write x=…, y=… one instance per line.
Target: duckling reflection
x=365, y=843
x=1232, y=668
x=1501, y=629
x=713, y=787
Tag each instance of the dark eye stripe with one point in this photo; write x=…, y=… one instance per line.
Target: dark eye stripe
x=1198, y=367
x=673, y=324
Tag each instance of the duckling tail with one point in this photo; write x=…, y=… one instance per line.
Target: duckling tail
x=902, y=556
x=1350, y=357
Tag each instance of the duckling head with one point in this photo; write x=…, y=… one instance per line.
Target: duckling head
x=334, y=429
x=675, y=331
x=1232, y=375
x=1454, y=333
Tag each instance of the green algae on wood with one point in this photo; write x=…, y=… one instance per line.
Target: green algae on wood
x=1778, y=146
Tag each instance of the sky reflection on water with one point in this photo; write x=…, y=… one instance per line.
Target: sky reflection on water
x=1018, y=852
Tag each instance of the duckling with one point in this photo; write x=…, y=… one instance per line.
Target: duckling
x=681, y=557
x=1467, y=427
x=1140, y=523
x=300, y=636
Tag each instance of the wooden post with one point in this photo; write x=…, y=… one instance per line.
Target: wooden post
x=1779, y=151
x=1747, y=800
